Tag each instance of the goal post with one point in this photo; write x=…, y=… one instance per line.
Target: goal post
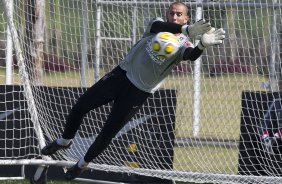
x=203, y=125
x=23, y=73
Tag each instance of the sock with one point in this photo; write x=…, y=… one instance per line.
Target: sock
x=63, y=142
x=82, y=163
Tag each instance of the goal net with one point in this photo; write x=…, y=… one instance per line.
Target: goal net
x=204, y=125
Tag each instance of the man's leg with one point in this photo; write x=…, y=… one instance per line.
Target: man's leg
x=124, y=108
x=99, y=94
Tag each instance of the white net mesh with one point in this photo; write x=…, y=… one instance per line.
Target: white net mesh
x=205, y=123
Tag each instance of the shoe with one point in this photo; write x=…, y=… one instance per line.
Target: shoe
x=53, y=147
x=73, y=172
x=277, y=142
x=265, y=139
x=267, y=143
x=278, y=135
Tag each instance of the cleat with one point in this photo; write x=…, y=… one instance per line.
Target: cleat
x=278, y=135
x=73, y=172
x=265, y=139
x=53, y=147
x=277, y=142
x=267, y=143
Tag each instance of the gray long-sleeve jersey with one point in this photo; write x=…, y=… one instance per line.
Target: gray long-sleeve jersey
x=144, y=69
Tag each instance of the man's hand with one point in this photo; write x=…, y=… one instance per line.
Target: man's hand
x=199, y=28
x=212, y=37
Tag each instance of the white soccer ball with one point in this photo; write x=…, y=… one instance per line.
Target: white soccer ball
x=165, y=45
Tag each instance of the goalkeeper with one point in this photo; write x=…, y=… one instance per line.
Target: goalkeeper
x=130, y=83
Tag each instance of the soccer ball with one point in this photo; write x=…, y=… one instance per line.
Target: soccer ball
x=165, y=44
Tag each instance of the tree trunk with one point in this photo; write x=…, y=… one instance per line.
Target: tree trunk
x=35, y=27
x=58, y=34
x=39, y=29
x=231, y=33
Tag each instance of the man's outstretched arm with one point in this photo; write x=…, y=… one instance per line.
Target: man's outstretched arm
x=192, y=31
x=210, y=38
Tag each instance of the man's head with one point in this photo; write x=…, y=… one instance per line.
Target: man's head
x=178, y=13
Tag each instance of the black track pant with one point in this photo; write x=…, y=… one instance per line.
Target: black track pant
x=127, y=99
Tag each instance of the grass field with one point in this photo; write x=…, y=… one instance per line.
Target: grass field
x=220, y=117
x=220, y=99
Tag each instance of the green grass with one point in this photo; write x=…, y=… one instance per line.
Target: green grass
x=220, y=100
x=220, y=104
x=206, y=158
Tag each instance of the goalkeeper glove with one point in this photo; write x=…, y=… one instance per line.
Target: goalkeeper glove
x=199, y=28
x=212, y=37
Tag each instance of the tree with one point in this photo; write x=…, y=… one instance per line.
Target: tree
x=35, y=28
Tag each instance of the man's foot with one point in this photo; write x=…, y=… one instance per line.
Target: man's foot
x=53, y=147
x=73, y=172
x=267, y=142
x=278, y=135
x=265, y=139
x=277, y=142
x=269, y=145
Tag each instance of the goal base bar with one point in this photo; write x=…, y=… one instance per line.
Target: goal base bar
x=164, y=174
